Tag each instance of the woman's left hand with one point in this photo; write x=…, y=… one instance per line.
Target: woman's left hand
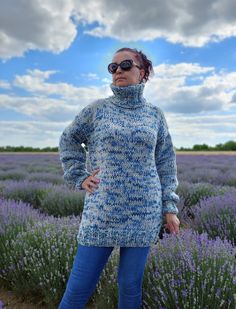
x=172, y=223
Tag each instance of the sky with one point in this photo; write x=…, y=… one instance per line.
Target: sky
x=54, y=56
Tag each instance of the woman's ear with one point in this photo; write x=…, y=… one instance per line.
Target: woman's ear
x=142, y=73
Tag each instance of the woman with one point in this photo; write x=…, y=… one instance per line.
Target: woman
x=131, y=187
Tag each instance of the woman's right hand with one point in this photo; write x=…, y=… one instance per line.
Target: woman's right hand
x=91, y=181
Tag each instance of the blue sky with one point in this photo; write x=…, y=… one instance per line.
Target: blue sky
x=54, y=57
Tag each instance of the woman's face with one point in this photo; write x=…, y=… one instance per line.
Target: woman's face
x=126, y=78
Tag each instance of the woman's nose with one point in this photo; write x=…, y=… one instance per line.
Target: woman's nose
x=119, y=69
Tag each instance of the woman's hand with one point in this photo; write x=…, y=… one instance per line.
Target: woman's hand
x=91, y=181
x=172, y=223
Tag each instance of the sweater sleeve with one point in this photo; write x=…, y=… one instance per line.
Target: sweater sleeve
x=165, y=159
x=72, y=154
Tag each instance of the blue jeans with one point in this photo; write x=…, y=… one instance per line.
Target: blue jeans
x=87, y=268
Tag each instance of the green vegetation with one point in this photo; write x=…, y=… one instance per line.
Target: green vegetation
x=27, y=149
x=228, y=146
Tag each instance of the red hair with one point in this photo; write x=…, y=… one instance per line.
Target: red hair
x=144, y=62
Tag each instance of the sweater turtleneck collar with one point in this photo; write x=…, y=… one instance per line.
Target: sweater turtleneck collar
x=128, y=96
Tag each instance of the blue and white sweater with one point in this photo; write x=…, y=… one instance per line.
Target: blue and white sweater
x=128, y=139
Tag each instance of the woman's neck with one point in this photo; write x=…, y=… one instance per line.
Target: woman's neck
x=128, y=96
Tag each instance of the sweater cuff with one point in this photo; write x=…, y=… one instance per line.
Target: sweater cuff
x=81, y=179
x=169, y=207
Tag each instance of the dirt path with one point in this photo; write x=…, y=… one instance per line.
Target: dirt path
x=11, y=301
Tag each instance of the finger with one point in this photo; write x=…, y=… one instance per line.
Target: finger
x=177, y=221
x=172, y=227
x=88, y=189
x=176, y=229
x=167, y=227
x=94, y=179
x=95, y=171
x=92, y=184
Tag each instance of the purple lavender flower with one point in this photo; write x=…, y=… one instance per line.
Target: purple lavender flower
x=214, y=169
x=16, y=214
x=188, y=265
x=216, y=215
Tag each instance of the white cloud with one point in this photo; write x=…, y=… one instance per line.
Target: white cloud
x=42, y=25
x=47, y=100
x=31, y=133
x=170, y=88
x=192, y=23
x=36, y=82
x=51, y=25
x=4, y=84
x=196, y=112
x=39, y=108
x=90, y=76
x=185, y=131
x=181, y=69
x=107, y=81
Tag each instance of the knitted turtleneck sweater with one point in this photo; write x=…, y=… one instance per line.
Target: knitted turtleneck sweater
x=128, y=139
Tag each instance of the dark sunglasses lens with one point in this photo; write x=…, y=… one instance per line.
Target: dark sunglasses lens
x=126, y=65
x=112, y=68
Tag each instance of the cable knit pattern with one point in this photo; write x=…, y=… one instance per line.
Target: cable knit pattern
x=128, y=139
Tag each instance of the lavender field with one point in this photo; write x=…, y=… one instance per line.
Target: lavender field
x=40, y=217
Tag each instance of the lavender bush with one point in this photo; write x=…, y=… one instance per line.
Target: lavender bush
x=217, y=170
x=46, y=177
x=187, y=271
x=62, y=201
x=190, y=271
x=49, y=198
x=192, y=194
x=15, y=175
x=40, y=259
x=216, y=215
x=37, y=261
x=214, y=169
x=184, y=271
x=37, y=253
x=20, y=166
x=16, y=215
x=28, y=192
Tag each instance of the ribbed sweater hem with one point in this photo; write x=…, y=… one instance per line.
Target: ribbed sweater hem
x=93, y=236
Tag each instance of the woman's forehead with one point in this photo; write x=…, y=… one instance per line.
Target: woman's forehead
x=122, y=56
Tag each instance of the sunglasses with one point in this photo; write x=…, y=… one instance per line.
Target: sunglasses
x=125, y=65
